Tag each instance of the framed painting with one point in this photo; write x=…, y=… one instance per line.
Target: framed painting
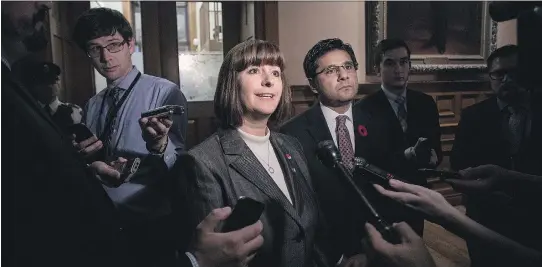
x=442, y=35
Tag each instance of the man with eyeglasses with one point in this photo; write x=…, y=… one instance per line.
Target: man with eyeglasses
x=114, y=116
x=404, y=129
x=331, y=70
x=504, y=130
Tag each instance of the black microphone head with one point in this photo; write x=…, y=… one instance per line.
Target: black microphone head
x=328, y=153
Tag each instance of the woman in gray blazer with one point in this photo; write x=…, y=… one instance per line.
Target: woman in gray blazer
x=245, y=158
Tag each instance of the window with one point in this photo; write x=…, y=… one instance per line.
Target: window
x=200, y=41
x=132, y=11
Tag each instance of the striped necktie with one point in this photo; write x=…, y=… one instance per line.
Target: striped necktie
x=401, y=112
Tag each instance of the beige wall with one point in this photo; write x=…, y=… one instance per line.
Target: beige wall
x=302, y=24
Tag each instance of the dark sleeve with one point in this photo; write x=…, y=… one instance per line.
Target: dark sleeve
x=434, y=128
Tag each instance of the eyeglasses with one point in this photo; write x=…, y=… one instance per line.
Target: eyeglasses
x=499, y=75
x=96, y=50
x=350, y=67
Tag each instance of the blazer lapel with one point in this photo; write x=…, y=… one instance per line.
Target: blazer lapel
x=317, y=124
x=241, y=159
x=362, y=127
x=290, y=170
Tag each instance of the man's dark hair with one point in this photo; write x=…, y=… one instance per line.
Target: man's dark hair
x=504, y=51
x=100, y=22
x=387, y=45
x=321, y=48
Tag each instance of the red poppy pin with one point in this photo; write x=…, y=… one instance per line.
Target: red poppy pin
x=362, y=130
x=288, y=156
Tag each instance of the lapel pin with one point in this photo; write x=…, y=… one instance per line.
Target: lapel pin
x=288, y=156
x=362, y=130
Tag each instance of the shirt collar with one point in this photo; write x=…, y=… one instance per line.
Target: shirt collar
x=392, y=96
x=525, y=103
x=331, y=115
x=54, y=105
x=126, y=81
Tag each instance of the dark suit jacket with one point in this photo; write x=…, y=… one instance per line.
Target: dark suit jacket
x=387, y=142
x=342, y=210
x=222, y=168
x=386, y=132
x=57, y=212
x=479, y=140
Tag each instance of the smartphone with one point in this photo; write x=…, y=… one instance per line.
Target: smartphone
x=442, y=174
x=163, y=111
x=247, y=211
x=128, y=169
x=81, y=131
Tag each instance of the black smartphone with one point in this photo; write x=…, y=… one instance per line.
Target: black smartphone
x=442, y=174
x=128, y=168
x=247, y=211
x=163, y=111
x=81, y=131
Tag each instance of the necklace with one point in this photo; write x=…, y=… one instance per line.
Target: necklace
x=269, y=168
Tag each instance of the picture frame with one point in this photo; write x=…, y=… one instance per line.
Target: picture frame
x=470, y=37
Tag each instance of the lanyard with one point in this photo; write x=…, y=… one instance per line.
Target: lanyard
x=113, y=112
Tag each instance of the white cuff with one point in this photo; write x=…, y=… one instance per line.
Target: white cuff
x=192, y=259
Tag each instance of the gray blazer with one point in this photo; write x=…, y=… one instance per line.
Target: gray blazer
x=222, y=168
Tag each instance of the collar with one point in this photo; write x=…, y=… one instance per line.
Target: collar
x=124, y=82
x=54, y=105
x=254, y=138
x=331, y=115
x=524, y=103
x=392, y=96
x=6, y=63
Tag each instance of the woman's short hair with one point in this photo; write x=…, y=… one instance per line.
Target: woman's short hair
x=228, y=105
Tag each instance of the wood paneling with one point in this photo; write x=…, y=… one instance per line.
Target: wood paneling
x=76, y=80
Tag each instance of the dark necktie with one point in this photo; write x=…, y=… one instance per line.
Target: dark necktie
x=114, y=95
x=401, y=112
x=344, y=142
x=515, y=126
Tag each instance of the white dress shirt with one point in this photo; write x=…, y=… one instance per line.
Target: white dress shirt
x=330, y=115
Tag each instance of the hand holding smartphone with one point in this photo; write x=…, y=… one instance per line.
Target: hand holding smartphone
x=128, y=169
x=246, y=212
x=81, y=131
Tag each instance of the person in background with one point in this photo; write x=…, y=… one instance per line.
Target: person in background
x=503, y=130
x=41, y=80
x=245, y=158
x=403, y=129
x=114, y=116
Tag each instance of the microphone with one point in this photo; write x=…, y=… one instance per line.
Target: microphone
x=376, y=175
x=329, y=155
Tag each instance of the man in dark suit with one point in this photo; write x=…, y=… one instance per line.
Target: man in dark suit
x=403, y=130
x=57, y=212
x=41, y=80
x=330, y=67
x=503, y=130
